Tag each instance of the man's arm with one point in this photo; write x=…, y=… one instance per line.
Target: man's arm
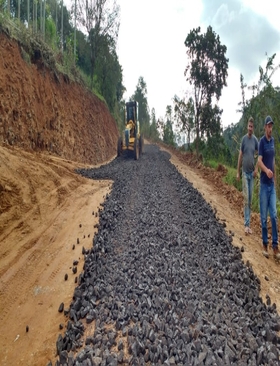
x=256, y=166
x=263, y=168
x=274, y=168
x=239, y=165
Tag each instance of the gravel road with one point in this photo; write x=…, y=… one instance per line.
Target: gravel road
x=163, y=284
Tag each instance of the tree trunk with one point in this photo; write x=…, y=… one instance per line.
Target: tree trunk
x=75, y=27
x=28, y=13
x=92, y=61
x=62, y=26
x=41, y=17
x=197, y=134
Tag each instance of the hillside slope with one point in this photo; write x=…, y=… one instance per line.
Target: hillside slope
x=41, y=110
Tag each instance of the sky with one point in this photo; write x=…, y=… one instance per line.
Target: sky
x=151, y=44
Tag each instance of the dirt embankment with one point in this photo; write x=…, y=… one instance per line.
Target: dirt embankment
x=43, y=111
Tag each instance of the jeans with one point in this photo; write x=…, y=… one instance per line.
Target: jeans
x=268, y=203
x=247, y=188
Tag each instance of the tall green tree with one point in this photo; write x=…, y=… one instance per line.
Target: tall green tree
x=108, y=73
x=184, y=115
x=140, y=95
x=100, y=18
x=211, y=120
x=206, y=70
x=83, y=52
x=168, y=134
x=154, y=133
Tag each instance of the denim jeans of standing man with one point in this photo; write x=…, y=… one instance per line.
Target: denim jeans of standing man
x=247, y=188
x=268, y=204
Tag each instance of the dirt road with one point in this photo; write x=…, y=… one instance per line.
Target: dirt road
x=46, y=209
x=47, y=215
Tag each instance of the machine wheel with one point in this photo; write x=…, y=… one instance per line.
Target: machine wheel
x=136, y=149
x=119, y=148
x=141, y=145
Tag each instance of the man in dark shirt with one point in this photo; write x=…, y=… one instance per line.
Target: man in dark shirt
x=266, y=162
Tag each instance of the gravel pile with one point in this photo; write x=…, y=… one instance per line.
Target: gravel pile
x=162, y=282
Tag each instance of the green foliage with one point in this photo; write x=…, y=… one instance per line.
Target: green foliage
x=109, y=74
x=2, y=7
x=207, y=72
x=214, y=149
x=211, y=164
x=232, y=136
x=210, y=120
x=197, y=145
x=153, y=133
x=101, y=19
x=50, y=33
x=83, y=53
x=184, y=115
x=140, y=96
x=265, y=101
x=230, y=178
x=168, y=135
x=217, y=148
x=68, y=55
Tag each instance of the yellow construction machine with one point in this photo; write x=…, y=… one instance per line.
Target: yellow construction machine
x=131, y=139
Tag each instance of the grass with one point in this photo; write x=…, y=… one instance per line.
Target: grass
x=231, y=180
x=211, y=164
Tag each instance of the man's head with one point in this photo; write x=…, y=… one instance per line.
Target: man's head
x=268, y=124
x=250, y=126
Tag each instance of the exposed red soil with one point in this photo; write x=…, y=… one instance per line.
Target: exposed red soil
x=42, y=111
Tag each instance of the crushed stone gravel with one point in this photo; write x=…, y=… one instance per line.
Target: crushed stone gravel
x=163, y=283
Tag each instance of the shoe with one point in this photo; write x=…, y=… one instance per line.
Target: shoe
x=276, y=253
x=250, y=231
x=265, y=252
x=246, y=230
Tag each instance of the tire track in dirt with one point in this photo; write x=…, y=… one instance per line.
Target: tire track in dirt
x=37, y=236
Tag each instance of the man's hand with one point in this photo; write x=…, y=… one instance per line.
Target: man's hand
x=238, y=176
x=269, y=173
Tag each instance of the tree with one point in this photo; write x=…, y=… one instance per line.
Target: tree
x=100, y=18
x=62, y=19
x=140, y=95
x=263, y=99
x=108, y=77
x=154, y=134
x=210, y=120
x=184, y=115
x=83, y=52
x=206, y=70
x=168, y=134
